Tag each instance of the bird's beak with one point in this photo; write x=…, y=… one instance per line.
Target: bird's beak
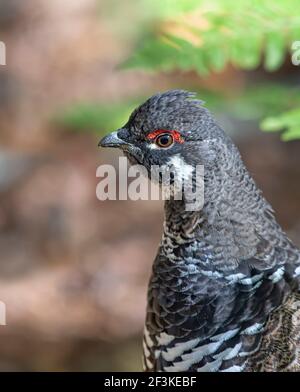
x=112, y=140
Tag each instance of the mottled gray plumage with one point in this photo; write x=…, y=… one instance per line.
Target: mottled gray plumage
x=224, y=291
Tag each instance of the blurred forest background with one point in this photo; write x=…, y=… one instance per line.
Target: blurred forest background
x=74, y=270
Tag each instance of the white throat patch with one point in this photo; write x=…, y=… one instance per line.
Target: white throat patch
x=183, y=170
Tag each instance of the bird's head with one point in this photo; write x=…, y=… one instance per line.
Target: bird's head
x=170, y=128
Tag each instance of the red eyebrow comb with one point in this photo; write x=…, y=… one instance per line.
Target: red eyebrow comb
x=176, y=135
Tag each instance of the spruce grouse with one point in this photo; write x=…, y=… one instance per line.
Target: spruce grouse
x=224, y=291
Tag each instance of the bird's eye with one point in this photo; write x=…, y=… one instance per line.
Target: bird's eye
x=164, y=140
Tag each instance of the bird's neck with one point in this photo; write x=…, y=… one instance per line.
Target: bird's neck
x=233, y=206
x=231, y=222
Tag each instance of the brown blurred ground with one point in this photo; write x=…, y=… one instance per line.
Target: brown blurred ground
x=74, y=270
